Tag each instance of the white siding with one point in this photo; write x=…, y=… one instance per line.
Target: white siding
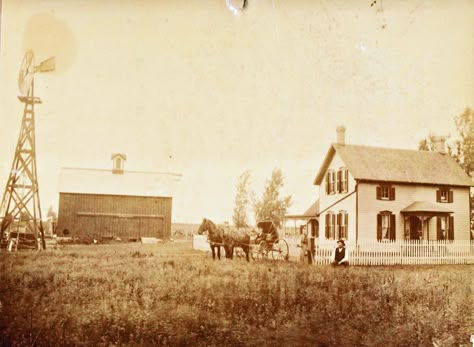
x=369, y=206
x=347, y=204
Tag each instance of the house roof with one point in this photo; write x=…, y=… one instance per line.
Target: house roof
x=313, y=210
x=130, y=183
x=425, y=206
x=396, y=165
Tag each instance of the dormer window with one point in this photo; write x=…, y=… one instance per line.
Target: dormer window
x=118, y=160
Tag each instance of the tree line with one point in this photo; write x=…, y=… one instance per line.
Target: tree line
x=270, y=206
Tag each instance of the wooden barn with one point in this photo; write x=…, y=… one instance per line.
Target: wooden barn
x=98, y=203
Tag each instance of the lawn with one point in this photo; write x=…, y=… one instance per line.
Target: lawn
x=169, y=294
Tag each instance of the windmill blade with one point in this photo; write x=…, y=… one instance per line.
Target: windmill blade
x=46, y=65
x=25, y=77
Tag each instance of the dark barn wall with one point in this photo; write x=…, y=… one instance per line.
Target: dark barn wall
x=114, y=215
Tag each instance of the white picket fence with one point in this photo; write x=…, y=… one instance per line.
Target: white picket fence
x=405, y=252
x=399, y=252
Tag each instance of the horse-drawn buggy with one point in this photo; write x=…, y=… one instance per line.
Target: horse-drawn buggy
x=268, y=243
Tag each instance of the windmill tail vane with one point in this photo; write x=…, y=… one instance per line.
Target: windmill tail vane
x=46, y=65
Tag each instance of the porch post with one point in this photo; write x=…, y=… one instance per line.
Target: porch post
x=428, y=227
x=404, y=228
x=422, y=218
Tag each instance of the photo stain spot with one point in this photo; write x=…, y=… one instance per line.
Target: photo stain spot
x=49, y=36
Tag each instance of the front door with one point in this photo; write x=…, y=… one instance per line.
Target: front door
x=415, y=228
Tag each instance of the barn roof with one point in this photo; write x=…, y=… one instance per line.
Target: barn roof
x=130, y=183
x=396, y=165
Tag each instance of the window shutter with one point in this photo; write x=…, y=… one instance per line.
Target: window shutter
x=379, y=227
x=451, y=228
x=392, y=227
x=338, y=182
x=327, y=226
x=327, y=182
x=334, y=183
x=438, y=196
x=333, y=231
x=379, y=193
x=450, y=196
x=392, y=193
x=439, y=236
x=339, y=226
x=346, y=225
x=346, y=177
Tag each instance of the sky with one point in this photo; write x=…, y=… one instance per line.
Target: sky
x=196, y=88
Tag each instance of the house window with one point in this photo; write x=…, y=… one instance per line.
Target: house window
x=385, y=192
x=331, y=182
x=445, y=228
x=342, y=180
x=444, y=195
x=342, y=221
x=385, y=226
x=330, y=226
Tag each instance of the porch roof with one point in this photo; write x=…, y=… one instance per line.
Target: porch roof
x=311, y=213
x=425, y=207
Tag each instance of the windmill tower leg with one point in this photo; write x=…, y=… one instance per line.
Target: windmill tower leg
x=20, y=207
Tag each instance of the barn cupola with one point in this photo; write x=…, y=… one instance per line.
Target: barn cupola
x=118, y=160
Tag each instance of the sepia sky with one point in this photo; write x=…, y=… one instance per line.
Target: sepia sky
x=191, y=87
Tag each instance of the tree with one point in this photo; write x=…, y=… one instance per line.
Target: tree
x=242, y=200
x=271, y=206
x=461, y=149
x=465, y=147
x=427, y=144
x=51, y=214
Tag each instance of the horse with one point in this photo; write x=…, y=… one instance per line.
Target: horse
x=215, y=236
x=236, y=238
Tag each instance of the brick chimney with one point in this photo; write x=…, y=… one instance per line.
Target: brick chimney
x=341, y=135
x=439, y=143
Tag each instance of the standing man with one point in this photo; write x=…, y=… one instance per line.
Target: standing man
x=340, y=255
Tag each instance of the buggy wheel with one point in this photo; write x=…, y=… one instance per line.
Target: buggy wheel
x=262, y=250
x=280, y=250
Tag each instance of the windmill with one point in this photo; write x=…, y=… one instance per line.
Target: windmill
x=20, y=208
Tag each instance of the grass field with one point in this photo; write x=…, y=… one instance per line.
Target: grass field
x=168, y=294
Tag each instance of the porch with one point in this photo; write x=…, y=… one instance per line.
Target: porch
x=418, y=216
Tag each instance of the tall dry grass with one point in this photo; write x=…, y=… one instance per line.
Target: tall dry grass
x=122, y=295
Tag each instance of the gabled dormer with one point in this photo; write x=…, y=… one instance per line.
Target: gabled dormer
x=118, y=161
